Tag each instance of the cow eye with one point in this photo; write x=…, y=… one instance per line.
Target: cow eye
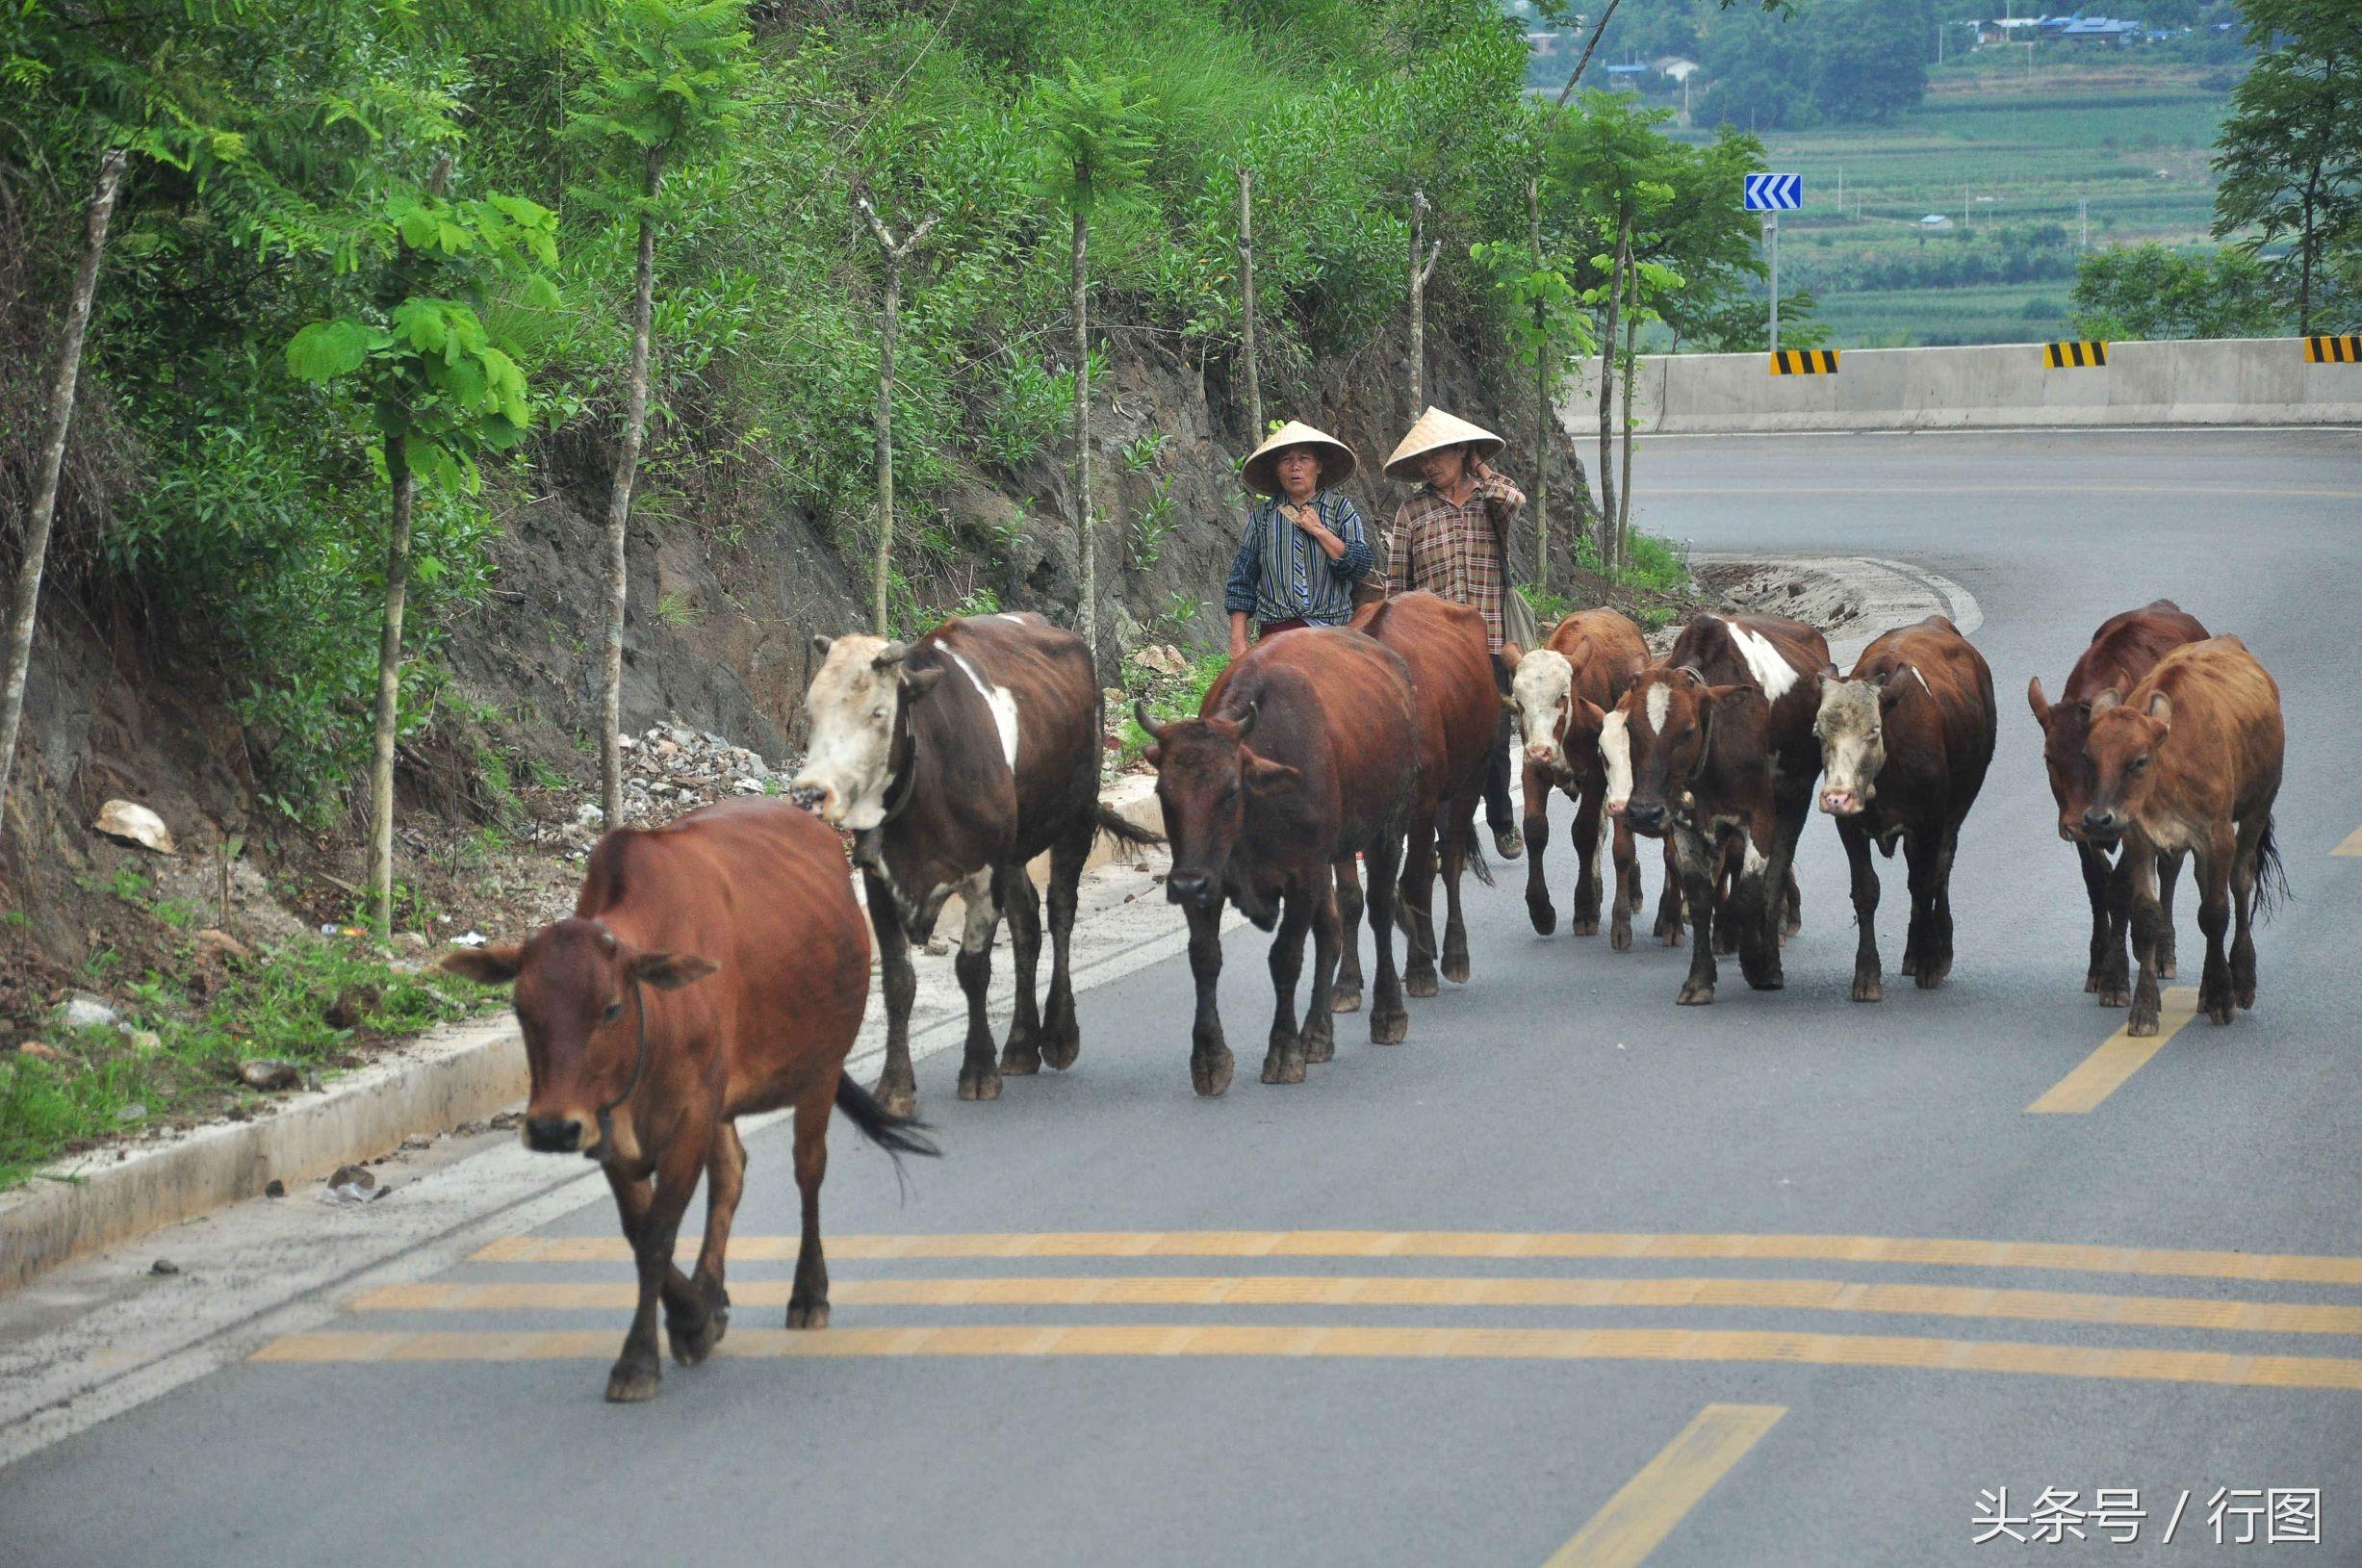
x=2139, y=762
x=877, y=712
x=615, y=1010
x=1230, y=792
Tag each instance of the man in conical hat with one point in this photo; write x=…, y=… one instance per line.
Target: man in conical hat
x=1304, y=545
x=1451, y=538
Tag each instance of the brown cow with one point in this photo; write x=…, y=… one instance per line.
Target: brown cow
x=1559, y=696
x=1455, y=699
x=712, y=969
x=1716, y=748
x=1333, y=770
x=2191, y=762
x=1905, y=742
x=955, y=759
x=2123, y=651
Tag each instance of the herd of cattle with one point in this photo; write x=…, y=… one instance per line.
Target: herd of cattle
x=718, y=966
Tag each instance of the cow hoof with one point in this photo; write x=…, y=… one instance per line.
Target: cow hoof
x=1673, y=938
x=2165, y=969
x=2090, y=981
x=1585, y=927
x=1346, y=1000
x=1545, y=918
x=1869, y=990
x=632, y=1382
x=1422, y=983
x=2245, y=996
x=2115, y=995
x=1620, y=936
x=2217, y=1007
x=1389, y=1027
x=693, y=1342
x=1210, y=1075
x=1283, y=1070
x=808, y=1314
x=1021, y=1059
x=900, y=1099
x=1061, y=1047
x=979, y=1084
x=1695, y=994
x=1910, y=967
x=1932, y=975
x=2142, y=1023
x=1768, y=982
x=1319, y=1048
x=1455, y=968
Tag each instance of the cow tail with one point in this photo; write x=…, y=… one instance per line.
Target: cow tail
x=1113, y=824
x=2271, y=876
x=1477, y=862
x=897, y=1135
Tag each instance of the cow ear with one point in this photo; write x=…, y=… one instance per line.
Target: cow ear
x=2036, y=701
x=1718, y=696
x=1584, y=715
x=1265, y=777
x=485, y=966
x=917, y=683
x=1891, y=686
x=669, y=971
x=1509, y=655
x=1508, y=705
x=2106, y=700
x=821, y=644
x=2161, y=707
x=1154, y=756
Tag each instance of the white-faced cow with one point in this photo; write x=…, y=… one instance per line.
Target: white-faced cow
x=1905, y=742
x=953, y=760
x=2123, y=652
x=1560, y=695
x=1716, y=747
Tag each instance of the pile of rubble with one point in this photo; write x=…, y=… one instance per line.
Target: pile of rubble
x=669, y=770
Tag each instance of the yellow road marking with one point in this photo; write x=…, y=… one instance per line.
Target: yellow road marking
x=2206, y=1367
x=2351, y=848
x=2105, y=1071
x=1644, y=1512
x=1396, y=1291
x=1928, y=1251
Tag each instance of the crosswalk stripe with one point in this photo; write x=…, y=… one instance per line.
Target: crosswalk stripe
x=2118, y=1058
x=1352, y=1342
x=1930, y=1252
x=1646, y=1508
x=1398, y=1291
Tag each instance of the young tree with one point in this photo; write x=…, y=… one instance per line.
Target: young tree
x=666, y=87
x=896, y=252
x=2289, y=156
x=2154, y=292
x=1549, y=329
x=434, y=366
x=1099, y=136
x=1421, y=269
x=1246, y=304
x=27, y=604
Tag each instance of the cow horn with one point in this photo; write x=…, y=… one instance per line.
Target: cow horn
x=822, y=643
x=1145, y=719
x=1247, y=720
x=894, y=653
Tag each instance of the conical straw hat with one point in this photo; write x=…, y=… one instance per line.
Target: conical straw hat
x=1437, y=428
x=1260, y=472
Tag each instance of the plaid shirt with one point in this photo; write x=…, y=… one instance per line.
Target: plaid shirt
x=1279, y=573
x=1455, y=551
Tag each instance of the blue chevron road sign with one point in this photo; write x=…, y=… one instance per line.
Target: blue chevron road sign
x=1774, y=193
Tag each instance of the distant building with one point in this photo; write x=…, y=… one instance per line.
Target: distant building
x=2090, y=29
x=2009, y=30
x=1542, y=44
x=1936, y=220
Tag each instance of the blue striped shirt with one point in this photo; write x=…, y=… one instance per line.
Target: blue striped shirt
x=1280, y=574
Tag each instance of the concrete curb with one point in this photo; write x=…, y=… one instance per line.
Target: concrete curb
x=464, y=1073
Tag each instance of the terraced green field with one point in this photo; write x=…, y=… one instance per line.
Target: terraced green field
x=2007, y=162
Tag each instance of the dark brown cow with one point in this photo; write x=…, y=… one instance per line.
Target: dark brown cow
x=712, y=969
x=2123, y=652
x=955, y=759
x=2191, y=762
x=1905, y=742
x=1455, y=699
x=1332, y=770
x=1560, y=695
x=1716, y=747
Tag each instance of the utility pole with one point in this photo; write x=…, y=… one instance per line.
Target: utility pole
x=1963, y=206
x=2083, y=222
x=1247, y=306
x=1841, y=190
x=1772, y=223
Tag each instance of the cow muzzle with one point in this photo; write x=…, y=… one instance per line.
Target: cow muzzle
x=813, y=797
x=560, y=1134
x=1193, y=889
x=2102, y=827
x=1542, y=754
x=1645, y=816
x=1841, y=802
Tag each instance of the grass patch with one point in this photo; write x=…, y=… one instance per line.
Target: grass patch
x=276, y=1004
x=1168, y=698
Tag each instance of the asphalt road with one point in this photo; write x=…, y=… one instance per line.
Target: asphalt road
x=1558, y=1193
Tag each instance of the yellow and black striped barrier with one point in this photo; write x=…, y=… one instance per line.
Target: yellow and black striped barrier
x=2333, y=349
x=2075, y=355
x=1805, y=362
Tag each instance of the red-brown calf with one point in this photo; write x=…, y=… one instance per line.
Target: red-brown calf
x=713, y=967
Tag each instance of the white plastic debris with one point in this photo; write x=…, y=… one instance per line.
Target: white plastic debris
x=469, y=938
x=135, y=824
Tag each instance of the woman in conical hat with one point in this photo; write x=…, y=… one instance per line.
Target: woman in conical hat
x=1304, y=545
x=1451, y=538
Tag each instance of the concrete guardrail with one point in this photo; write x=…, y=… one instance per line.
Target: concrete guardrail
x=2221, y=381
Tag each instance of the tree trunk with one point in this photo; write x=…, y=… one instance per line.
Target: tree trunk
x=1247, y=306
x=2305, y=252
x=389, y=686
x=1631, y=370
x=1541, y=398
x=886, y=442
x=619, y=511
x=1584, y=59
x=1607, y=401
x=1089, y=619
x=1418, y=290
x=44, y=512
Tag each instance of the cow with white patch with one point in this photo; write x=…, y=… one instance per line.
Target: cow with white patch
x=1559, y=696
x=1905, y=742
x=1715, y=747
x=953, y=760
